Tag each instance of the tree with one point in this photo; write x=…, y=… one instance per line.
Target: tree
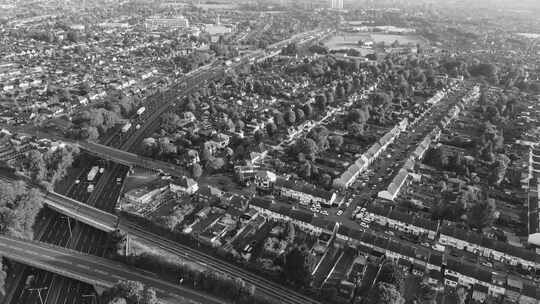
x=384, y=293
x=335, y=141
x=72, y=36
x=320, y=101
x=130, y=291
x=356, y=130
x=34, y=165
x=340, y=92
x=119, y=240
x=216, y=163
x=110, y=119
x=462, y=295
x=305, y=170
x=206, y=153
x=149, y=296
x=197, y=171
x=308, y=110
x=190, y=106
x=279, y=119
x=290, y=50
x=291, y=117
x=481, y=214
x=391, y=274
x=320, y=136
x=300, y=114
x=357, y=83
x=58, y=161
x=170, y=122
x=3, y=277
x=306, y=146
x=271, y=129
x=330, y=94
x=18, y=209
x=487, y=70
x=501, y=165
x=296, y=268
x=425, y=294
x=326, y=180
x=239, y=125
x=90, y=133
x=318, y=49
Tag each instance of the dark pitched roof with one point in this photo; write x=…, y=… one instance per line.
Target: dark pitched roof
x=302, y=216
x=323, y=223
x=400, y=216
x=261, y=202
x=481, y=288
x=435, y=258
x=304, y=188
x=425, y=223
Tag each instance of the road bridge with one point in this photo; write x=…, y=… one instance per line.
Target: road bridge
x=99, y=272
x=81, y=212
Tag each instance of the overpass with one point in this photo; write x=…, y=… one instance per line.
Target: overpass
x=102, y=151
x=99, y=272
x=130, y=159
x=109, y=222
x=77, y=210
x=84, y=213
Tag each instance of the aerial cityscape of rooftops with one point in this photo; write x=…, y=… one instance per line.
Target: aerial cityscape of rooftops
x=269, y=151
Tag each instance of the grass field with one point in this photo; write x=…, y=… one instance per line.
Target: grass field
x=350, y=40
x=216, y=6
x=402, y=39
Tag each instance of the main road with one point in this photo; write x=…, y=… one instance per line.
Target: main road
x=162, y=102
x=94, y=270
x=108, y=222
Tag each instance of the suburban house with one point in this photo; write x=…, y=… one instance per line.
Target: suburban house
x=184, y=185
x=303, y=192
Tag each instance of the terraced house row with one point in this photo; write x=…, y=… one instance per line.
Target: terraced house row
x=422, y=261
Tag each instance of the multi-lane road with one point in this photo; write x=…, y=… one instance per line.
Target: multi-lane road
x=83, y=232
x=87, y=239
x=94, y=270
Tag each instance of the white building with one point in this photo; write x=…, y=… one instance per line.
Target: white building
x=155, y=23
x=336, y=4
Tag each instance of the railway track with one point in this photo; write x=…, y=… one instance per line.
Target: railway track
x=265, y=286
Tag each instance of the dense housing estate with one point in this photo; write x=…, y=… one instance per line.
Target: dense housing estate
x=297, y=152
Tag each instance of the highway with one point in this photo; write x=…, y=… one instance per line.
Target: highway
x=56, y=230
x=88, y=239
x=89, y=215
x=130, y=159
x=265, y=286
x=105, y=152
x=94, y=270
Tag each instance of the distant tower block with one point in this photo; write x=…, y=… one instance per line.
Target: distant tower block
x=336, y=4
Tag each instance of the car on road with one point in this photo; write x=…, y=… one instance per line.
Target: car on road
x=77, y=182
x=324, y=212
x=339, y=213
